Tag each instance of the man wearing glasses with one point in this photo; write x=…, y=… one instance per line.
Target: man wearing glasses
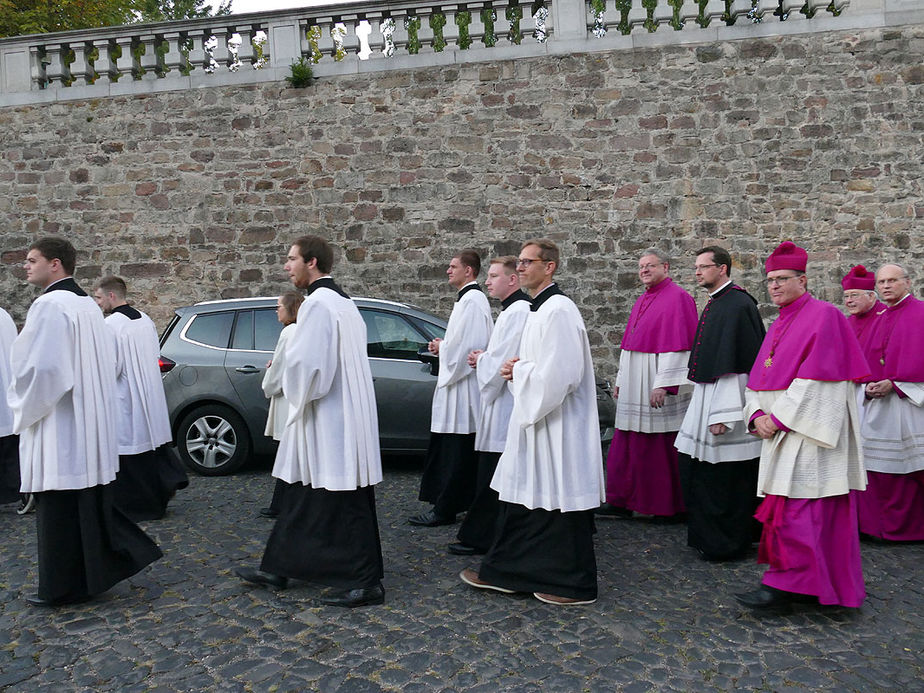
x=549, y=477
x=652, y=395
x=892, y=507
x=718, y=457
x=801, y=400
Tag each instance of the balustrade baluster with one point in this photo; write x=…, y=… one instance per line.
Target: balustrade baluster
x=173, y=59
x=425, y=32
x=637, y=16
x=104, y=64
x=56, y=71
x=81, y=72
x=246, y=53
x=38, y=74
x=476, y=27
x=326, y=44
x=450, y=28
x=220, y=53
x=501, y=23
x=376, y=38
x=351, y=44
x=196, y=58
x=792, y=10
x=400, y=35
x=127, y=62
x=149, y=58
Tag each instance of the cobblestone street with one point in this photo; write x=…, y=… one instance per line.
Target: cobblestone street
x=664, y=621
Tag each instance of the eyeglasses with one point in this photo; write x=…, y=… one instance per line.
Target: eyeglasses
x=526, y=262
x=777, y=281
x=650, y=266
x=702, y=267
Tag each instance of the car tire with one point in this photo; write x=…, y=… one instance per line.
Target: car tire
x=212, y=440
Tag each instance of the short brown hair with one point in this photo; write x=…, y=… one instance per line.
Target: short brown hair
x=508, y=261
x=316, y=247
x=720, y=256
x=470, y=258
x=113, y=284
x=548, y=251
x=54, y=248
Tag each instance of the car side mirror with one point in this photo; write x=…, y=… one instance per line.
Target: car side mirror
x=431, y=360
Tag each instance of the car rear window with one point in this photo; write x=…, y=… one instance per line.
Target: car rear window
x=211, y=329
x=266, y=329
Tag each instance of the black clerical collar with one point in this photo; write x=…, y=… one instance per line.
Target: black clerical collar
x=325, y=283
x=66, y=284
x=473, y=286
x=721, y=289
x=545, y=295
x=127, y=311
x=517, y=295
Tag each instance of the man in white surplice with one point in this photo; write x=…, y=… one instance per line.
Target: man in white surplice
x=549, y=477
x=149, y=475
x=449, y=478
x=63, y=396
x=327, y=530
x=476, y=534
x=9, y=443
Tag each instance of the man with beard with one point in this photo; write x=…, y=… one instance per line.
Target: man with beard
x=327, y=530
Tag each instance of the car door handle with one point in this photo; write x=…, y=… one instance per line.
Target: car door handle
x=247, y=369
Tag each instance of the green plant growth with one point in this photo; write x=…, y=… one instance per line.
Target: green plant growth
x=624, y=7
x=514, y=14
x=302, y=74
x=437, y=22
x=701, y=17
x=650, y=23
x=314, y=41
x=487, y=17
x=412, y=25
x=463, y=19
x=676, y=22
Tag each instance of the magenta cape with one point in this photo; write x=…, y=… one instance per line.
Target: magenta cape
x=813, y=341
x=662, y=319
x=898, y=340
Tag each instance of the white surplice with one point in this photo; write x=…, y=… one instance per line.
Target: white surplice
x=143, y=421
x=272, y=387
x=331, y=438
x=552, y=458
x=496, y=398
x=720, y=402
x=456, y=398
x=7, y=335
x=821, y=454
x=640, y=373
x=893, y=431
x=63, y=395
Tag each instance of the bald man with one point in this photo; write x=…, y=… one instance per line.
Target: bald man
x=892, y=507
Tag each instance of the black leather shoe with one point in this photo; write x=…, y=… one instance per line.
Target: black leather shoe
x=765, y=597
x=268, y=512
x=460, y=549
x=607, y=510
x=258, y=577
x=350, y=599
x=431, y=519
x=36, y=600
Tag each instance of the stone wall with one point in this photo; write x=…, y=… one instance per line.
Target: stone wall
x=195, y=195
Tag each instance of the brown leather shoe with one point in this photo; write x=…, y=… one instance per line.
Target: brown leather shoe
x=470, y=577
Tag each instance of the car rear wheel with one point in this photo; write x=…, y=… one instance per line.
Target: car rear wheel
x=212, y=440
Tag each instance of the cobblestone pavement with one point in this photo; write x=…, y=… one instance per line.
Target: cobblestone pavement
x=664, y=620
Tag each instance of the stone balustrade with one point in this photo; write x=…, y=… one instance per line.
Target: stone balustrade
x=389, y=34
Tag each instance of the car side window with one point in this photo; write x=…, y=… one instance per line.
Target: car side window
x=243, y=331
x=429, y=327
x=390, y=336
x=266, y=329
x=211, y=329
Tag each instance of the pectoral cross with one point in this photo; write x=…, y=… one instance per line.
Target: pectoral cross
x=768, y=362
